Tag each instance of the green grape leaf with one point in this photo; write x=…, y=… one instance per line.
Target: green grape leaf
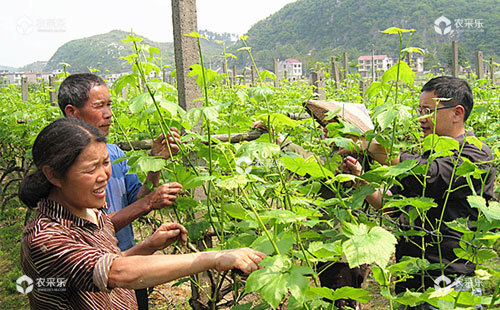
x=366, y=246
x=406, y=74
x=233, y=182
x=491, y=212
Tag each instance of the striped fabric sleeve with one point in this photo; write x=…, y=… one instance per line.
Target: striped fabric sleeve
x=101, y=271
x=58, y=254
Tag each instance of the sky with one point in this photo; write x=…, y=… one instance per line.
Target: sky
x=32, y=30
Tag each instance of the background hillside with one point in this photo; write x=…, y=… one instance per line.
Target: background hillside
x=103, y=52
x=11, y=69
x=315, y=30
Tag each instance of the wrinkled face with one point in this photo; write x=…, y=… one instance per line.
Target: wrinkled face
x=96, y=110
x=84, y=185
x=442, y=117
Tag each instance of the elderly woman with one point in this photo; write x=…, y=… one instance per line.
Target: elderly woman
x=72, y=239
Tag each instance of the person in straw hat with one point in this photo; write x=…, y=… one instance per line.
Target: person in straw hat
x=338, y=274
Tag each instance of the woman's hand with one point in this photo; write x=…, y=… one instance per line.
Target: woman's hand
x=245, y=259
x=165, y=236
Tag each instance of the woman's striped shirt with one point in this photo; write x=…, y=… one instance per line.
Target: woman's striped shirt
x=69, y=258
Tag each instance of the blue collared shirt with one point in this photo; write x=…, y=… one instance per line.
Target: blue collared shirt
x=121, y=191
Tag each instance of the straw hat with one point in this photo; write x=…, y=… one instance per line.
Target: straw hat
x=354, y=113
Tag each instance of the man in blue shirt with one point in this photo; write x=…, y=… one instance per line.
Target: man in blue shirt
x=84, y=96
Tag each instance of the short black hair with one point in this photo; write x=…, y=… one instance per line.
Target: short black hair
x=75, y=89
x=57, y=146
x=456, y=89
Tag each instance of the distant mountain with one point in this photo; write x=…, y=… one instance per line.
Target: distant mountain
x=10, y=69
x=103, y=52
x=315, y=30
x=37, y=66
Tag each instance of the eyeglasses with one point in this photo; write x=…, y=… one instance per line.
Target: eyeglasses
x=428, y=111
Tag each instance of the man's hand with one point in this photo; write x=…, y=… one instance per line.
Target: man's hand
x=361, y=146
x=165, y=236
x=375, y=150
x=161, y=148
x=352, y=166
x=165, y=195
x=260, y=126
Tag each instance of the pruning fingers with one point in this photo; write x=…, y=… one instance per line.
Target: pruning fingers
x=245, y=259
x=160, y=147
x=167, y=234
x=165, y=195
x=259, y=125
x=352, y=166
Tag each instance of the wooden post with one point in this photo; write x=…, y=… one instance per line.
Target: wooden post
x=373, y=63
x=243, y=76
x=226, y=75
x=454, y=58
x=24, y=89
x=276, y=72
x=363, y=86
x=335, y=72
x=254, y=75
x=492, y=71
x=224, y=68
x=52, y=91
x=408, y=59
x=346, y=65
x=186, y=52
x=234, y=74
x=184, y=21
x=318, y=81
x=479, y=65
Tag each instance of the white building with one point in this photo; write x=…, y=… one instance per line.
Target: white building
x=290, y=68
x=416, y=63
x=31, y=77
x=381, y=63
x=111, y=78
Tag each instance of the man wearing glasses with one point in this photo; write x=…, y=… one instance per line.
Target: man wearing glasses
x=444, y=106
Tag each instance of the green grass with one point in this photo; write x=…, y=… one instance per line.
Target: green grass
x=11, y=228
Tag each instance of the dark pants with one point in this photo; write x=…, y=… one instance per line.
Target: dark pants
x=142, y=298
x=339, y=275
